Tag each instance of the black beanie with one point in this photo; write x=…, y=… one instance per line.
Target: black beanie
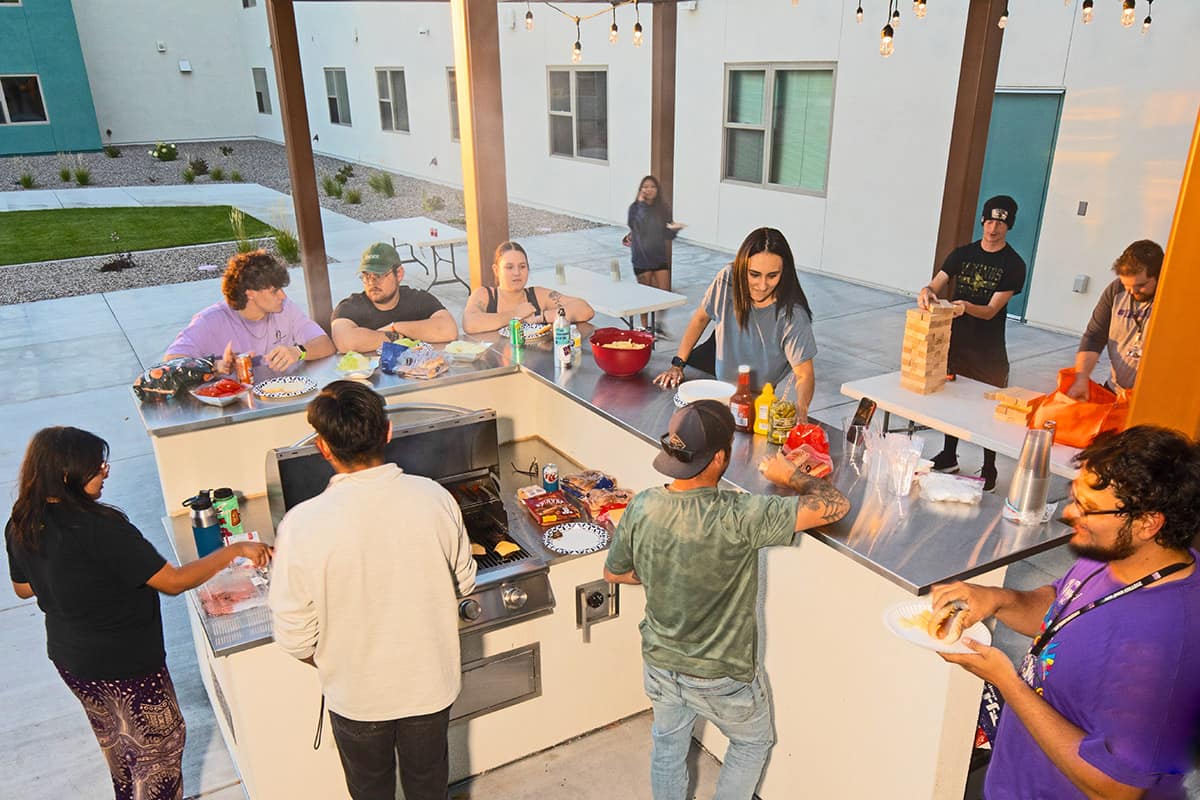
x=1002, y=208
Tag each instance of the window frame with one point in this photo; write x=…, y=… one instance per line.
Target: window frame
x=6, y=115
x=391, y=100
x=266, y=92
x=349, y=123
x=249, y=3
x=573, y=85
x=452, y=90
x=11, y=3
x=769, y=68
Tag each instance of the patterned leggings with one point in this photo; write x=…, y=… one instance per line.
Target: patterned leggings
x=140, y=730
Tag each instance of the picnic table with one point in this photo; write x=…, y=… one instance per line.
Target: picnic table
x=624, y=299
x=423, y=233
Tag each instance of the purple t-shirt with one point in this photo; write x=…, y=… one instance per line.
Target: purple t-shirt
x=214, y=327
x=1128, y=674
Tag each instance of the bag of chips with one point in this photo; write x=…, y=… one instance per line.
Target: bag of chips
x=164, y=381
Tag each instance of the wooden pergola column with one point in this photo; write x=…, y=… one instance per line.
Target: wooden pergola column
x=1167, y=390
x=293, y=113
x=476, y=33
x=968, y=136
x=664, y=36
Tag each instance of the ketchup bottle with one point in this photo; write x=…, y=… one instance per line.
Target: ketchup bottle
x=742, y=402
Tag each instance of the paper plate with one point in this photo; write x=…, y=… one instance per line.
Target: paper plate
x=576, y=538
x=284, y=387
x=358, y=374
x=222, y=401
x=893, y=620
x=691, y=391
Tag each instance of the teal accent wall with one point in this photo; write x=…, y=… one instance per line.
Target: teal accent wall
x=39, y=37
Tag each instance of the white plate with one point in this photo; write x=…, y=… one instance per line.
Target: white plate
x=691, y=391
x=533, y=330
x=917, y=635
x=359, y=374
x=228, y=399
x=577, y=538
x=285, y=387
x=467, y=351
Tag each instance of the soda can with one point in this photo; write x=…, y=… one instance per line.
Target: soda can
x=516, y=332
x=550, y=477
x=244, y=365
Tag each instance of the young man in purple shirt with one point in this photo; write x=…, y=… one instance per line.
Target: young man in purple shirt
x=1107, y=701
x=255, y=317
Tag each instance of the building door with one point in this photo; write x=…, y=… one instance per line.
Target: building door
x=1020, y=151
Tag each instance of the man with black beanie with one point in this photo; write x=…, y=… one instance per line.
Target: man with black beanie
x=988, y=272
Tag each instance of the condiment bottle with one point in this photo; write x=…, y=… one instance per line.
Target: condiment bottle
x=742, y=402
x=562, y=338
x=762, y=410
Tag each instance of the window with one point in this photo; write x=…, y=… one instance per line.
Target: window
x=262, y=90
x=452, y=82
x=393, y=99
x=249, y=3
x=579, y=113
x=338, y=94
x=778, y=122
x=21, y=100
x=10, y=2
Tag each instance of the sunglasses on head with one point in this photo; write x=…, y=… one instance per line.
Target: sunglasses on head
x=675, y=451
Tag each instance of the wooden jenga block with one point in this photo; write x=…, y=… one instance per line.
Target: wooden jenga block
x=1006, y=413
x=931, y=338
x=927, y=385
x=1014, y=396
x=934, y=348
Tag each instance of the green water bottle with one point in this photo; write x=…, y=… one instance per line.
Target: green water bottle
x=228, y=513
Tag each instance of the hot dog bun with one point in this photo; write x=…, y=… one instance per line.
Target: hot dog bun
x=946, y=623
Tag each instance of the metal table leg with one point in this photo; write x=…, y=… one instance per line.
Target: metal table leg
x=412, y=255
x=438, y=258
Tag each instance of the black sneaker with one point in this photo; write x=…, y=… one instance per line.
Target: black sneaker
x=945, y=462
x=989, y=478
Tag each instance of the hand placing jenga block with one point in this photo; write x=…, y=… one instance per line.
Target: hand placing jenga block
x=925, y=349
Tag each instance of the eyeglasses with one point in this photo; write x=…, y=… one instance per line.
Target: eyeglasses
x=675, y=451
x=1083, y=513
x=372, y=278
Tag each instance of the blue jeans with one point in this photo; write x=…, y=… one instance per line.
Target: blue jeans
x=369, y=752
x=741, y=711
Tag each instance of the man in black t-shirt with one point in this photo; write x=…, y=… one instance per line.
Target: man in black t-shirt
x=988, y=272
x=385, y=310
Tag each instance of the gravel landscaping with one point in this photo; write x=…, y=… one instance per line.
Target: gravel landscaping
x=256, y=162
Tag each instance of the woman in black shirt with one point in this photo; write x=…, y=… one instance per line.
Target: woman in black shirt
x=97, y=581
x=490, y=308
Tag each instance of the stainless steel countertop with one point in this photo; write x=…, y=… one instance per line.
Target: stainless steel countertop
x=910, y=541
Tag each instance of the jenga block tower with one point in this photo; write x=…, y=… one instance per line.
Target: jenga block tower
x=926, y=348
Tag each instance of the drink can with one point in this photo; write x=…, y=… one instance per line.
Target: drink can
x=433, y=232
x=516, y=332
x=550, y=477
x=244, y=365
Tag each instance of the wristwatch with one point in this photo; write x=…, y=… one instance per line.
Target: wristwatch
x=303, y=351
x=676, y=361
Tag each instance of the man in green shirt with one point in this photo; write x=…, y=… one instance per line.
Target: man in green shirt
x=694, y=548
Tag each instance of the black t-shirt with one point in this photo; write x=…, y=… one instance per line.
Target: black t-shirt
x=412, y=305
x=977, y=346
x=102, y=621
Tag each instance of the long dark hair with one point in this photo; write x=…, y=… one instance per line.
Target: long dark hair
x=59, y=463
x=788, y=293
x=657, y=190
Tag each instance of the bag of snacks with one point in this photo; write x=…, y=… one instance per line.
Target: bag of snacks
x=163, y=381
x=808, y=448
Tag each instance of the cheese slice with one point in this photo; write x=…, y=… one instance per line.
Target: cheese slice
x=478, y=549
x=506, y=548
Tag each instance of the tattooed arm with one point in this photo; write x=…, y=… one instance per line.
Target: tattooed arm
x=550, y=299
x=820, y=503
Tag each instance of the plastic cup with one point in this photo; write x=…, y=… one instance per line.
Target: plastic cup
x=614, y=270
x=560, y=273
x=902, y=463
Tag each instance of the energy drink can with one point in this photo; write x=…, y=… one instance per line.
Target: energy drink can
x=244, y=364
x=516, y=332
x=550, y=477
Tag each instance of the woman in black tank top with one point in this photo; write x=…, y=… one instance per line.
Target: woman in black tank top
x=489, y=308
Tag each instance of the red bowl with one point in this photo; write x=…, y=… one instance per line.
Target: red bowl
x=621, y=363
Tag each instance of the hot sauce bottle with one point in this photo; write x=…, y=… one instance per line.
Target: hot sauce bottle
x=742, y=402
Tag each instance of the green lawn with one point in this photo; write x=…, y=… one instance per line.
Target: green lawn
x=73, y=232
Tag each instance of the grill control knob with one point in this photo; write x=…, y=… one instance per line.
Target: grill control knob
x=596, y=599
x=514, y=597
x=469, y=610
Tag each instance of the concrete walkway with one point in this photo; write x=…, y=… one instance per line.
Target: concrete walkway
x=70, y=362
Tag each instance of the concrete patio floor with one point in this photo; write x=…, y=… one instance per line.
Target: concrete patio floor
x=70, y=361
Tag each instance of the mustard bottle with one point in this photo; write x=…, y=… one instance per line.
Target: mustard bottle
x=762, y=410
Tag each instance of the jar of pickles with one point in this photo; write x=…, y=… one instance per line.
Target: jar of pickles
x=783, y=418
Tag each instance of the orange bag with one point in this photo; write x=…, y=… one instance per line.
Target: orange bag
x=1079, y=421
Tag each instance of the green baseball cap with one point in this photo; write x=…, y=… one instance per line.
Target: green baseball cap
x=380, y=258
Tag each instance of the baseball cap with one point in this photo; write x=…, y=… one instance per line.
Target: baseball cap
x=695, y=434
x=380, y=258
x=1002, y=208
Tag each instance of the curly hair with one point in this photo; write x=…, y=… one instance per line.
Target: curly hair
x=1151, y=470
x=1141, y=255
x=256, y=270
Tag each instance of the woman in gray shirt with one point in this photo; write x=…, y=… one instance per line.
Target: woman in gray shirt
x=761, y=317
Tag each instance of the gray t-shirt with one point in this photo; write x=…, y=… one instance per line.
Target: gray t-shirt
x=771, y=343
x=1118, y=322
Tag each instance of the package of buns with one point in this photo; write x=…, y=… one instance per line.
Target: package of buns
x=422, y=368
x=580, y=483
x=597, y=501
x=526, y=492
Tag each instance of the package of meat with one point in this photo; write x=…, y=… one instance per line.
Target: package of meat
x=551, y=509
x=581, y=483
x=233, y=589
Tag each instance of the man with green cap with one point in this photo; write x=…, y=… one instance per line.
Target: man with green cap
x=385, y=310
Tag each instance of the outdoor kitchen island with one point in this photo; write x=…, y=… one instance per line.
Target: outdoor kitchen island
x=858, y=712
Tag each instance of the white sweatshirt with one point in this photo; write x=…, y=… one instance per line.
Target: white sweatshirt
x=364, y=581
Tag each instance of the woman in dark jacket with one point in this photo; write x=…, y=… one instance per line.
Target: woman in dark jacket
x=97, y=580
x=650, y=228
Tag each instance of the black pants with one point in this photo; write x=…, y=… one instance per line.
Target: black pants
x=369, y=751
x=951, y=446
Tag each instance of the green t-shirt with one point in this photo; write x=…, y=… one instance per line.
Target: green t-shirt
x=696, y=554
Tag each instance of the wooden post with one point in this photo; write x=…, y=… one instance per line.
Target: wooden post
x=476, y=33
x=293, y=113
x=1167, y=390
x=662, y=103
x=968, y=138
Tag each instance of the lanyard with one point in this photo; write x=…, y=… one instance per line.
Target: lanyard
x=1060, y=622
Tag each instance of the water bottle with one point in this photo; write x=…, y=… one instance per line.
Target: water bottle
x=206, y=526
x=229, y=514
x=562, y=338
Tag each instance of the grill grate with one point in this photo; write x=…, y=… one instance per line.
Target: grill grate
x=492, y=560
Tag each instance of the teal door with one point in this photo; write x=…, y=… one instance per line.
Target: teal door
x=1020, y=150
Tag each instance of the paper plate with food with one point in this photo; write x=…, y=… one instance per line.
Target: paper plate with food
x=356, y=366
x=917, y=622
x=576, y=538
x=466, y=351
x=221, y=392
x=285, y=387
x=532, y=330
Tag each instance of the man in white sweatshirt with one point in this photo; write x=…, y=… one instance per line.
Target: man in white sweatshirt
x=385, y=645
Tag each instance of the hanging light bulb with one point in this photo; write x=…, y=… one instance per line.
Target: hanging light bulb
x=886, y=41
x=612, y=31
x=858, y=15
x=1003, y=23
x=1128, y=11
x=915, y=4
x=637, y=25
x=1087, y=11
x=1146, y=22
x=577, y=50
x=528, y=16
x=896, y=18
x=920, y=9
